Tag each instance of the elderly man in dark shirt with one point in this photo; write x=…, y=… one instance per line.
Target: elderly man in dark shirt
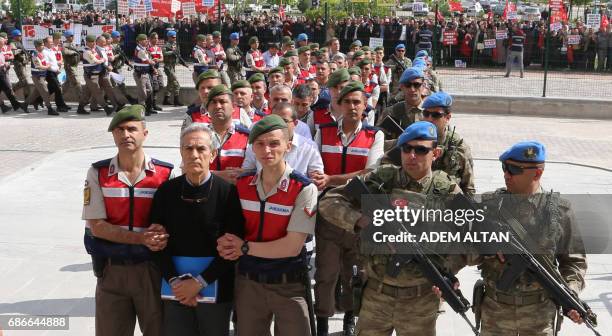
x=196, y=208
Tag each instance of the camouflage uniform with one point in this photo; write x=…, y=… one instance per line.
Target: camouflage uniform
x=72, y=57
x=404, y=115
x=543, y=215
x=20, y=62
x=171, y=55
x=404, y=303
x=234, y=64
x=396, y=72
x=118, y=62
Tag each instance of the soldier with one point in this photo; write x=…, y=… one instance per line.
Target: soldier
x=307, y=70
x=405, y=303
x=20, y=61
x=409, y=110
x=431, y=77
x=157, y=79
x=93, y=66
x=40, y=66
x=171, y=57
x=289, y=70
x=143, y=67
x=220, y=57
x=260, y=102
x=198, y=113
x=72, y=57
x=549, y=221
x=424, y=38
x=276, y=76
x=398, y=63
x=117, y=93
x=254, y=59
x=5, y=84
x=119, y=61
x=348, y=148
x=243, y=98
x=329, y=113
x=272, y=278
x=200, y=55
x=372, y=89
x=383, y=72
x=235, y=59
x=106, y=53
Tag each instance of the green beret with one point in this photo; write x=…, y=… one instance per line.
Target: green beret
x=350, y=87
x=38, y=43
x=128, y=113
x=354, y=71
x=290, y=53
x=363, y=62
x=337, y=77
x=358, y=53
x=200, y=37
x=314, y=46
x=302, y=49
x=365, y=48
x=268, y=124
x=284, y=62
x=90, y=38
x=4, y=34
x=278, y=69
x=379, y=48
x=217, y=90
x=253, y=40
x=208, y=74
x=316, y=53
x=286, y=40
x=141, y=37
x=216, y=33
x=106, y=35
x=56, y=35
x=257, y=77
x=241, y=84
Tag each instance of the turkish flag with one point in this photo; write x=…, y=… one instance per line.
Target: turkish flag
x=455, y=6
x=604, y=22
x=281, y=12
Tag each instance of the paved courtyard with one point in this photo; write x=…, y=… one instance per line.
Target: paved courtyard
x=43, y=161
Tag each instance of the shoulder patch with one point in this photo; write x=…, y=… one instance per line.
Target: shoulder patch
x=240, y=128
x=300, y=178
x=260, y=113
x=162, y=163
x=101, y=163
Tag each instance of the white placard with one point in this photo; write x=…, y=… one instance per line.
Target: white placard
x=490, y=44
x=593, y=20
x=417, y=7
x=501, y=34
x=123, y=7
x=189, y=9
x=99, y=4
x=513, y=16
x=175, y=6
x=375, y=42
x=556, y=26
x=460, y=64
x=573, y=39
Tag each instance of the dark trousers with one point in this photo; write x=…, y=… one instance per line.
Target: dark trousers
x=207, y=319
x=5, y=86
x=55, y=88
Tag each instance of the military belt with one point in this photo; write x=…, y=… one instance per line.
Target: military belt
x=516, y=300
x=399, y=292
x=275, y=279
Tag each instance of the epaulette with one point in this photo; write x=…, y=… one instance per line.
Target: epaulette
x=101, y=163
x=162, y=163
x=242, y=129
x=260, y=113
x=300, y=178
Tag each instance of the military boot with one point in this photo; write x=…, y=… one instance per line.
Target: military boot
x=166, y=101
x=348, y=326
x=51, y=111
x=322, y=326
x=81, y=109
x=177, y=101
x=154, y=105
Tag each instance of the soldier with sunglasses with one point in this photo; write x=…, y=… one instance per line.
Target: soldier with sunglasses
x=549, y=222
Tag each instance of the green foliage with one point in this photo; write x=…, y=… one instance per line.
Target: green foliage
x=304, y=5
x=334, y=14
x=28, y=7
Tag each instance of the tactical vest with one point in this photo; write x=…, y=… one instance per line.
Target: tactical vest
x=7, y=52
x=58, y=53
x=156, y=54
x=369, y=88
x=378, y=67
x=198, y=68
x=35, y=71
x=257, y=58
x=322, y=116
x=127, y=207
x=231, y=153
x=92, y=68
x=339, y=159
x=267, y=220
x=140, y=65
x=218, y=51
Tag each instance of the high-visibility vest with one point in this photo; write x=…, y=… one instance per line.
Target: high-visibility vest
x=231, y=153
x=339, y=159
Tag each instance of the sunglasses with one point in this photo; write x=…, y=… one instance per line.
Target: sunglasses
x=435, y=115
x=401, y=50
x=513, y=169
x=414, y=85
x=418, y=150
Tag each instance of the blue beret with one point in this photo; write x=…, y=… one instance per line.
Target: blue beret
x=411, y=74
x=68, y=33
x=302, y=37
x=171, y=33
x=438, y=99
x=420, y=130
x=419, y=63
x=16, y=32
x=525, y=151
x=234, y=36
x=422, y=53
x=400, y=46
x=115, y=34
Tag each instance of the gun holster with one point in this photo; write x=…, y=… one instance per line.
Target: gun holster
x=357, y=286
x=478, y=297
x=98, y=263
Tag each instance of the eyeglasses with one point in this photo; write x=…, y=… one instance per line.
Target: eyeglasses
x=418, y=150
x=414, y=85
x=401, y=50
x=434, y=115
x=513, y=169
x=197, y=200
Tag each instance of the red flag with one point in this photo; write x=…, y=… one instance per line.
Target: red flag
x=510, y=7
x=490, y=16
x=455, y=6
x=604, y=22
x=439, y=16
x=281, y=12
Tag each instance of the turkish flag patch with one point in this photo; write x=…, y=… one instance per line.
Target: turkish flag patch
x=310, y=213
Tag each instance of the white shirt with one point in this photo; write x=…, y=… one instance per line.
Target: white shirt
x=50, y=58
x=270, y=60
x=303, y=155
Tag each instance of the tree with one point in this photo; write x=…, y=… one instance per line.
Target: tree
x=28, y=7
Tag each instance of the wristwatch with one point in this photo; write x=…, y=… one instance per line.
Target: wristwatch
x=245, y=248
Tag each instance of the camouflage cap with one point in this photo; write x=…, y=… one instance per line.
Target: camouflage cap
x=141, y=37
x=241, y=84
x=379, y=48
x=257, y=77
x=4, y=35
x=38, y=43
x=365, y=48
x=278, y=69
x=217, y=90
x=286, y=40
x=128, y=113
x=106, y=35
x=208, y=74
x=337, y=77
x=268, y=124
x=350, y=87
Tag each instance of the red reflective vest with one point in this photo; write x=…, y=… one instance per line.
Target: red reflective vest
x=218, y=50
x=308, y=73
x=339, y=159
x=199, y=115
x=156, y=52
x=257, y=58
x=376, y=69
x=127, y=206
x=231, y=153
x=267, y=220
x=58, y=53
x=109, y=52
x=8, y=53
x=321, y=116
x=370, y=87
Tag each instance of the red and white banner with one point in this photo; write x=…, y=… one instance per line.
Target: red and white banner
x=35, y=32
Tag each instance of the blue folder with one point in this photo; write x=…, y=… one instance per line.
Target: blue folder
x=194, y=266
